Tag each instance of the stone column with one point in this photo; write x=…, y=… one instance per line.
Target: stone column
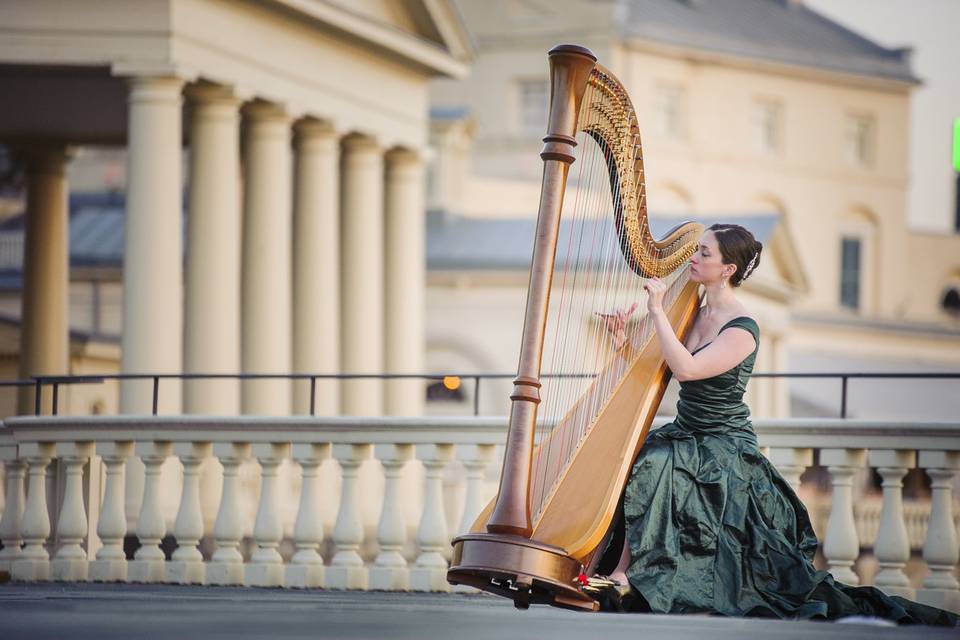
x=362, y=274
x=892, y=546
x=44, y=333
x=265, y=301
x=153, y=256
x=71, y=563
x=316, y=265
x=212, y=295
x=405, y=280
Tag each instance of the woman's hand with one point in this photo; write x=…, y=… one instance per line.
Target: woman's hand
x=655, y=290
x=616, y=324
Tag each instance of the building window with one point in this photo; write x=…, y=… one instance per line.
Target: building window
x=767, y=116
x=860, y=139
x=951, y=301
x=850, y=273
x=534, y=103
x=668, y=111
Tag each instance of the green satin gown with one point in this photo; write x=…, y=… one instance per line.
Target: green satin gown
x=713, y=527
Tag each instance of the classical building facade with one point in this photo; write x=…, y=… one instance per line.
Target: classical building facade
x=747, y=109
x=298, y=130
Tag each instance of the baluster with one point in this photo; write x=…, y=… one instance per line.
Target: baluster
x=186, y=566
x=346, y=570
x=265, y=568
x=33, y=563
x=390, y=571
x=306, y=566
x=148, y=562
x=70, y=562
x=841, y=547
x=226, y=565
x=15, y=469
x=892, y=546
x=940, y=588
x=429, y=573
x=111, y=562
x=791, y=462
x=476, y=460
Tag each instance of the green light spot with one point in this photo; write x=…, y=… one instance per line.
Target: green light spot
x=956, y=145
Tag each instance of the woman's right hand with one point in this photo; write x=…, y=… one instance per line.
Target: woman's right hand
x=616, y=324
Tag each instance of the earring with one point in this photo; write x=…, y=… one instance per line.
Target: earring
x=723, y=283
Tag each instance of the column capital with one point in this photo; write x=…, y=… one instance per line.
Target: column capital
x=360, y=143
x=402, y=157
x=261, y=111
x=45, y=158
x=313, y=128
x=158, y=89
x=206, y=93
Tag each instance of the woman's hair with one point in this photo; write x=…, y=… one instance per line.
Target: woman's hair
x=737, y=247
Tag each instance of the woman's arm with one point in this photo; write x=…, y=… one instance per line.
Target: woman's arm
x=725, y=352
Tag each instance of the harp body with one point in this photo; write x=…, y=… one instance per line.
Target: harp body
x=559, y=493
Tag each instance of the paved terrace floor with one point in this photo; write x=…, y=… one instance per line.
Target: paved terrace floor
x=102, y=611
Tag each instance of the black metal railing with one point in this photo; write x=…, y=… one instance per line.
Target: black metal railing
x=55, y=382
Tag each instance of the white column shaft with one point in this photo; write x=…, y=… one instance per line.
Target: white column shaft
x=212, y=295
x=266, y=296
x=346, y=570
x=362, y=274
x=405, y=277
x=316, y=267
x=153, y=258
x=266, y=565
x=70, y=562
x=33, y=563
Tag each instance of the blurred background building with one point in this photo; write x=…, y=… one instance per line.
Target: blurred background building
x=310, y=131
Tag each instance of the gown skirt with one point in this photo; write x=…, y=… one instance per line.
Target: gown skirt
x=713, y=527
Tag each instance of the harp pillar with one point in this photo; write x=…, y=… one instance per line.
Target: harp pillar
x=570, y=68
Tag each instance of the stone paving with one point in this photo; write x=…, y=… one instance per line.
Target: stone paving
x=78, y=611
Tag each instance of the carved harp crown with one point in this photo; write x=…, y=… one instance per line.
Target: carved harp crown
x=573, y=438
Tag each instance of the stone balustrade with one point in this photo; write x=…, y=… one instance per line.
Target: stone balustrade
x=372, y=503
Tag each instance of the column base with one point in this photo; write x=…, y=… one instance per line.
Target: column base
x=146, y=571
x=304, y=576
x=30, y=570
x=263, y=575
x=347, y=577
x=108, y=571
x=390, y=578
x=186, y=572
x=845, y=575
x=225, y=573
x=940, y=598
x=69, y=569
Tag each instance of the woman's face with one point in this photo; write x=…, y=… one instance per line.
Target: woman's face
x=706, y=265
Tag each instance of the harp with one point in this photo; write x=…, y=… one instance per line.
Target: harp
x=572, y=440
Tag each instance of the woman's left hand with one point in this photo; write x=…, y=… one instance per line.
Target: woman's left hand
x=655, y=290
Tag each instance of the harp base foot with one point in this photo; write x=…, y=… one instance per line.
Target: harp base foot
x=526, y=571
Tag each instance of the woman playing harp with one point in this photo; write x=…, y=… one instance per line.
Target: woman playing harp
x=573, y=441
x=708, y=524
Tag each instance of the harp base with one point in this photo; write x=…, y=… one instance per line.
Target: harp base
x=526, y=571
